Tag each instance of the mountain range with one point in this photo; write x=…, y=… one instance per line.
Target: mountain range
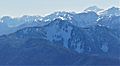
x=91, y=37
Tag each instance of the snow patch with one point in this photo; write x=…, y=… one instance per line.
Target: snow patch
x=47, y=20
x=61, y=18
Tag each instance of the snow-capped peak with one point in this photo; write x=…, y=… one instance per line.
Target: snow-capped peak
x=60, y=14
x=93, y=8
x=114, y=11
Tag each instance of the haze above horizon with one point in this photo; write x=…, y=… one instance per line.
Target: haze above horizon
x=42, y=7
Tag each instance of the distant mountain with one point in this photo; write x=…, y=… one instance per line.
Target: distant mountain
x=110, y=19
x=62, y=38
x=14, y=24
x=96, y=40
x=63, y=15
x=78, y=19
x=93, y=8
x=88, y=17
x=114, y=11
x=10, y=25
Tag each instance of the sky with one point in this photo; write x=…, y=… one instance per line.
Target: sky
x=42, y=7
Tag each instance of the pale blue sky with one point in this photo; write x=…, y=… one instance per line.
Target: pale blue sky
x=42, y=7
